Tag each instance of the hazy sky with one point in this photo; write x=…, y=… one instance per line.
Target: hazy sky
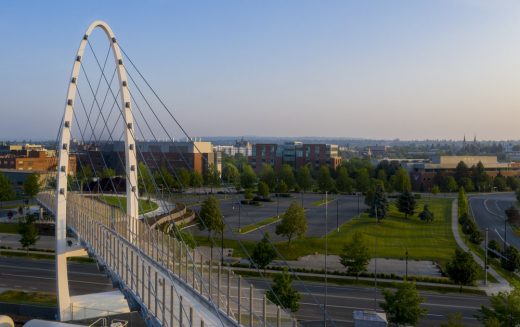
x=374, y=69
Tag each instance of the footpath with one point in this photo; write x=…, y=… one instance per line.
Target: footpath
x=490, y=288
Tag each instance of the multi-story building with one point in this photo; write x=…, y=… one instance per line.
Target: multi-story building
x=241, y=147
x=295, y=154
x=422, y=174
x=193, y=155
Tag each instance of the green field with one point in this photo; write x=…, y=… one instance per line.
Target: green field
x=395, y=235
x=120, y=202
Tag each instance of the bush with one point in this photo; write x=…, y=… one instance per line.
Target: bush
x=417, y=196
x=476, y=237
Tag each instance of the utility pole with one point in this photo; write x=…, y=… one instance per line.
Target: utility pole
x=375, y=265
x=337, y=214
x=505, y=233
x=486, y=259
x=406, y=271
x=326, y=253
x=357, y=203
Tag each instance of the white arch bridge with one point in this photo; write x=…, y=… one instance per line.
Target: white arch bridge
x=171, y=284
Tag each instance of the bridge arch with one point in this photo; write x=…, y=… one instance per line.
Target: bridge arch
x=62, y=283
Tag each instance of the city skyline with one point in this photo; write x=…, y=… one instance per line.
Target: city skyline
x=340, y=69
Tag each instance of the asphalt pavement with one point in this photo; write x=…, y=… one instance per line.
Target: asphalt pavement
x=340, y=209
x=39, y=275
x=343, y=300
x=489, y=213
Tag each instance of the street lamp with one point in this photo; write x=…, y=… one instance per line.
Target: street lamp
x=406, y=271
x=337, y=214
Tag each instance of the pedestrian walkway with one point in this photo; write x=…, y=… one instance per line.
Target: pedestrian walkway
x=491, y=288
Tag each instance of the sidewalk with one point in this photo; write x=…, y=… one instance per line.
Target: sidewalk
x=491, y=288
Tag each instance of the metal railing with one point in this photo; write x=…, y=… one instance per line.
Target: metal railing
x=162, y=273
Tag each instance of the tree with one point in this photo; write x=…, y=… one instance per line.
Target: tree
x=263, y=190
x=379, y=205
x=84, y=176
x=356, y=255
x=426, y=215
x=494, y=249
x=282, y=293
x=454, y=320
x=210, y=216
x=184, y=177
x=293, y=222
x=500, y=183
x=287, y=175
x=325, y=182
x=268, y=176
x=406, y=203
x=403, y=307
x=304, y=178
x=462, y=172
x=462, y=269
x=510, y=259
x=107, y=173
x=513, y=216
x=248, y=177
x=196, y=179
x=436, y=189
x=363, y=180
x=31, y=186
x=512, y=183
x=450, y=184
x=230, y=174
x=6, y=189
x=281, y=187
x=401, y=182
x=462, y=202
x=28, y=232
x=212, y=176
x=504, y=309
x=248, y=194
x=263, y=253
x=343, y=182
x=145, y=180
x=480, y=177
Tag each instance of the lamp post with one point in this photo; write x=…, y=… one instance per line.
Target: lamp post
x=337, y=214
x=406, y=269
x=326, y=253
x=486, y=259
x=357, y=203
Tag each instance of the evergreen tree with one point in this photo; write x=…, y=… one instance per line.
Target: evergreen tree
x=403, y=307
x=379, y=206
x=462, y=173
x=263, y=253
x=282, y=293
x=462, y=202
x=406, y=203
x=356, y=255
x=426, y=214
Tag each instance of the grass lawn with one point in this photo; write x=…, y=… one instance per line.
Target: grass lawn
x=117, y=201
x=10, y=228
x=263, y=222
x=395, y=235
x=21, y=297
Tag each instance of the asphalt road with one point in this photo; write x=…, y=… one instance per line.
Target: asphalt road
x=488, y=210
x=39, y=275
x=343, y=300
x=340, y=210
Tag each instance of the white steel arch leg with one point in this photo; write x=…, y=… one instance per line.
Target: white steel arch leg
x=62, y=284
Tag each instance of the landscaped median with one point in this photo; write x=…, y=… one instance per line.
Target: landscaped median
x=21, y=297
x=323, y=201
x=145, y=206
x=264, y=222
